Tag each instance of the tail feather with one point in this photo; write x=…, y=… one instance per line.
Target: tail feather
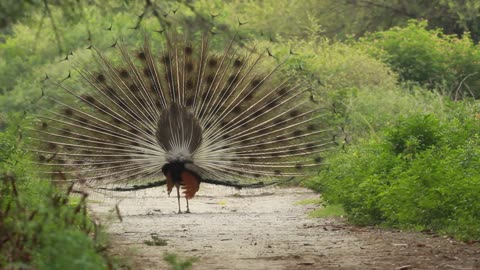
x=231, y=113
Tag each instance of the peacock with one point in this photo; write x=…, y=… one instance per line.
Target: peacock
x=182, y=111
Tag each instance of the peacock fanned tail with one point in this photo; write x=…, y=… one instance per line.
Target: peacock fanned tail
x=221, y=115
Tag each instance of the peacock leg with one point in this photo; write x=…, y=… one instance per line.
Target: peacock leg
x=188, y=209
x=178, y=196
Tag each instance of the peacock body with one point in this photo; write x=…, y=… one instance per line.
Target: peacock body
x=184, y=112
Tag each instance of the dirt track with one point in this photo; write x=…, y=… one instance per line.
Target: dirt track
x=265, y=229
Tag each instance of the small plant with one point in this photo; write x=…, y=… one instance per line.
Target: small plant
x=176, y=263
x=332, y=210
x=156, y=241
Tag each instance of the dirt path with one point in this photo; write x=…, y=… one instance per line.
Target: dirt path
x=265, y=229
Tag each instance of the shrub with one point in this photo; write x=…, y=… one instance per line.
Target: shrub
x=429, y=57
x=414, y=133
x=42, y=227
x=380, y=182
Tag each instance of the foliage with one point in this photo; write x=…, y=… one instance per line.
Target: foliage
x=156, y=241
x=177, y=263
x=330, y=210
x=345, y=17
x=340, y=19
x=412, y=162
x=365, y=111
x=42, y=227
x=422, y=173
x=429, y=57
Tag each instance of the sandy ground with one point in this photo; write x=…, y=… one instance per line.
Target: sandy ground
x=263, y=229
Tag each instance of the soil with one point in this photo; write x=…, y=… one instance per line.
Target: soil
x=263, y=229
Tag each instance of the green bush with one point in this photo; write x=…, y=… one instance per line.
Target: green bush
x=414, y=133
x=423, y=173
x=429, y=57
x=42, y=227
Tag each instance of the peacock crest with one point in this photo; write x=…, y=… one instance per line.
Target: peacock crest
x=183, y=111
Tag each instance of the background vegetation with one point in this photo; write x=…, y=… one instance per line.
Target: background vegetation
x=402, y=76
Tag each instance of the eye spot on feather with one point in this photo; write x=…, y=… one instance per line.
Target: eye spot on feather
x=101, y=78
x=277, y=172
x=294, y=113
x=68, y=112
x=318, y=160
x=188, y=50
x=255, y=83
x=249, y=96
x=256, y=175
x=212, y=62
x=51, y=146
x=141, y=56
x=147, y=72
x=298, y=166
x=124, y=74
x=237, y=63
x=88, y=99
x=271, y=104
x=278, y=121
x=166, y=60
x=275, y=154
x=42, y=158
x=282, y=91
x=297, y=133
x=133, y=88
x=44, y=125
